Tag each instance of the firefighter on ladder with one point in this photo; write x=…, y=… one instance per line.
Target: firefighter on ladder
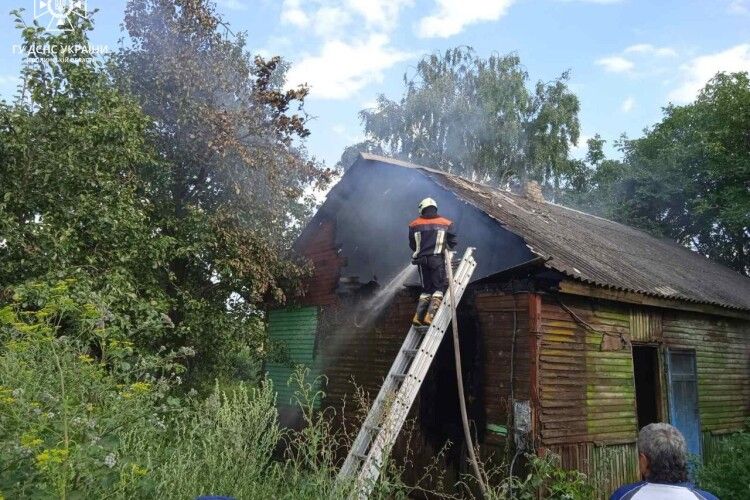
x=429, y=236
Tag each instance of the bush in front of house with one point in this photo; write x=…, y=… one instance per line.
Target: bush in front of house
x=727, y=472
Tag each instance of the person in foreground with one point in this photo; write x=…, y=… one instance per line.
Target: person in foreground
x=662, y=460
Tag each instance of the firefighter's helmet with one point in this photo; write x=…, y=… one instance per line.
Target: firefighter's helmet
x=427, y=202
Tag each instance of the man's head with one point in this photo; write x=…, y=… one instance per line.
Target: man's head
x=662, y=454
x=428, y=206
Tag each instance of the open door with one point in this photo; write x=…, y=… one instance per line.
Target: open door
x=647, y=384
x=683, y=396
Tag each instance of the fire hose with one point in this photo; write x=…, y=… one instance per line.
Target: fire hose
x=459, y=377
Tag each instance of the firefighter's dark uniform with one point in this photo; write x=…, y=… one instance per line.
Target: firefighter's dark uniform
x=429, y=235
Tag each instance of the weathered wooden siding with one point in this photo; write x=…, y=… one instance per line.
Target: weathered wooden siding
x=607, y=466
x=362, y=355
x=587, y=393
x=318, y=245
x=722, y=347
x=645, y=324
x=495, y=311
x=350, y=355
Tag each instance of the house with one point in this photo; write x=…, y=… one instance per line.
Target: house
x=585, y=328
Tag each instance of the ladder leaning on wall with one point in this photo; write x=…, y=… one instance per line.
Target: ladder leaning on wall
x=399, y=390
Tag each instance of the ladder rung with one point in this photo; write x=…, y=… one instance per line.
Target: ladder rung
x=421, y=329
x=375, y=428
x=411, y=352
x=399, y=376
x=360, y=456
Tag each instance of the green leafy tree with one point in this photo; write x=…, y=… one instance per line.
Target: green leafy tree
x=171, y=179
x=229, y=195
x=688, y=177
x=476, y=117
x=71, y=152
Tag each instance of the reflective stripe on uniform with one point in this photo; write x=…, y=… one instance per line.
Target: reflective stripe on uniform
x=439, y=241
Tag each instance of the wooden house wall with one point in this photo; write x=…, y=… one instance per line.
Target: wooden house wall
x=318, y=246
x=495, y=312
x=362, y=355
x=355, y=362
x=722, y=347
x=586, y=391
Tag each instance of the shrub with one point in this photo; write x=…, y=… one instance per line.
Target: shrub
x=727, y=472
x=544, y=474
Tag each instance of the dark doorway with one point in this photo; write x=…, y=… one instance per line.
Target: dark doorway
x=440, y=414
x=646, y=371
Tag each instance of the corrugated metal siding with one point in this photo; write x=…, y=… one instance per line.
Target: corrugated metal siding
x=294, y=331
x=587, y=395
x=645, y=324
x=722, y=349
x=495, y=313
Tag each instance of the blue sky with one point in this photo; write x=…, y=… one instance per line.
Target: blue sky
x=628, y=58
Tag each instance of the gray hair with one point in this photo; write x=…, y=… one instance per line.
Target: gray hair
x=666, y=451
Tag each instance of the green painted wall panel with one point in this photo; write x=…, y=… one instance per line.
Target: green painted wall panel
x=293, y=332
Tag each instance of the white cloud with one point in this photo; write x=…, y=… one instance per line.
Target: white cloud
x=326, y=16
x=382, y=14
x=453, y=16
x=616, y=64
x=231, y=4
x=341, y=69
x=701, y=69
x=603, y=2
x=330, y=21
x=292, y=13
x=648, y=49
x=741, y=7
x=579, y=150
x=627, y=105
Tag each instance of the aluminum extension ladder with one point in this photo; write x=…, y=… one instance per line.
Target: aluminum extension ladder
x=400, y=389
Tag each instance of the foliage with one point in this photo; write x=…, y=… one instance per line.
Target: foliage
x=180, y=211
x=476, y=117
x=71, y=389
x=727, y=473
x=544, y=474
x=687, y=177
x=230, y=193
x=72, y=425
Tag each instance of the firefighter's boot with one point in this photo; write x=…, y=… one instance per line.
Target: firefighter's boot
x=422, y=306
x=437, y=299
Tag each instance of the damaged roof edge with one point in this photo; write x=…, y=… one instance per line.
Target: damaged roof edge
x=440, y=177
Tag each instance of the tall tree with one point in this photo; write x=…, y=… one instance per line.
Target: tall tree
x=476, y=117
x=173, y=177
x=688, y=177
x=72, y=149
x=230, y=195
